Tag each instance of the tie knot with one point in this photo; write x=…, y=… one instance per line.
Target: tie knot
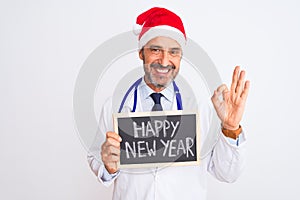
x=156, y=97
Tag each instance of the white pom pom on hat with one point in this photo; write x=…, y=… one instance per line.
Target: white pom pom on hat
x=159, y=22
x=137, y=29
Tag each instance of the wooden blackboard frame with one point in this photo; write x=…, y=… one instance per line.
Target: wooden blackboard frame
x=116, y=116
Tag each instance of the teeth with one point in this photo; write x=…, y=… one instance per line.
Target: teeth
x=162, y=70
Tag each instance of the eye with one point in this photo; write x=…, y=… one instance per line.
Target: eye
x=155, y=50
x=174, y=52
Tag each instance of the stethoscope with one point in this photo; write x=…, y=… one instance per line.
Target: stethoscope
x=135, y=87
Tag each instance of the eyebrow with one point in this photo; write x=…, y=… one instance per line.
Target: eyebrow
x=160, y=47
x=176, y=48
x=155, y=47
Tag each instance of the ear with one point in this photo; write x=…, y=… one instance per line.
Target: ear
x=141, y=54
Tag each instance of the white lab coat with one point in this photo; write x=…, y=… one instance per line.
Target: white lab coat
x=225, y=162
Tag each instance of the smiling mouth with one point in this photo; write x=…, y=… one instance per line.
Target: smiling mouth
x=162, y=71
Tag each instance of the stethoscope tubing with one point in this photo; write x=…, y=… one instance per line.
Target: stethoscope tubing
x=135, y=87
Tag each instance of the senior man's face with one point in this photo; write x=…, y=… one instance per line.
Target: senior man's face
x=161, y=57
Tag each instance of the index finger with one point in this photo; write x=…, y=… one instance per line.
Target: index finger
x=113, y=135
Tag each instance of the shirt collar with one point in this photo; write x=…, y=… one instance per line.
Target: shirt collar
x=146, y=91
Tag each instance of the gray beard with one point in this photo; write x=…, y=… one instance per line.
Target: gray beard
x=151, y=79
x=159, y=85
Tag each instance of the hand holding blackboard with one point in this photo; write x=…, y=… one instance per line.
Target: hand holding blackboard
x=110, y=152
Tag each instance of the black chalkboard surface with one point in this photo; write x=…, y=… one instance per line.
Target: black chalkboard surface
x=152, y=139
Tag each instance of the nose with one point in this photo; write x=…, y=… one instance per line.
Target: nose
x=164, y=59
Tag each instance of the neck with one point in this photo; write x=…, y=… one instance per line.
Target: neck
x=153, y=87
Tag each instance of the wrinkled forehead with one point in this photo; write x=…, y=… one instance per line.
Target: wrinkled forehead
x=163, y=42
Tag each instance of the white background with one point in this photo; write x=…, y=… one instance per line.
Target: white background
x=44, y=43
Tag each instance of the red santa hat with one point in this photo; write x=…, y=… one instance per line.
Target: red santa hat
x=159, y=22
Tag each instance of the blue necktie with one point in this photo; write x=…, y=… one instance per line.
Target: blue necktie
x=156, y=98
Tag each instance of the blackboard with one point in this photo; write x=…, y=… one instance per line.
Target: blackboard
x=153, y=139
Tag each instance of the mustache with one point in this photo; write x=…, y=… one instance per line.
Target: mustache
x=157, y=65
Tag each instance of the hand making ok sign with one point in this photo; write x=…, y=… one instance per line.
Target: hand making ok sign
x=230, y=110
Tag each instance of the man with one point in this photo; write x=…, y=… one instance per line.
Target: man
x=161, y=42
